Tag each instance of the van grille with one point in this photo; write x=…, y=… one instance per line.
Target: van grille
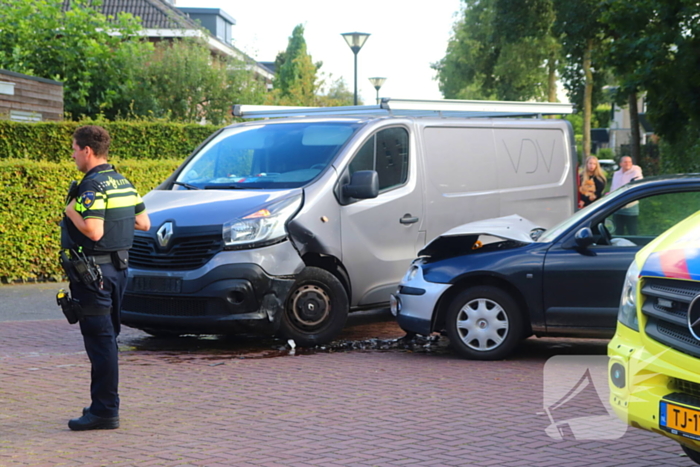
x=665, y=304
x=185, y=252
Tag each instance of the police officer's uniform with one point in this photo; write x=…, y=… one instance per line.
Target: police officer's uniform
x=104, y=194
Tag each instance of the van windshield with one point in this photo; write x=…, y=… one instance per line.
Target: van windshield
x=271, y=155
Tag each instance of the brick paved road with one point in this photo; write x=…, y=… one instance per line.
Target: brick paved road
x=220, y=403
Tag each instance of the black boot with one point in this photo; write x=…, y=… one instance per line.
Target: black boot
x=93, y=422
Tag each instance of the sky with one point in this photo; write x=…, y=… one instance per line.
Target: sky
x=405, y=39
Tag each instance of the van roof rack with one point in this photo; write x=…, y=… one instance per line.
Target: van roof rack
x=411, y=108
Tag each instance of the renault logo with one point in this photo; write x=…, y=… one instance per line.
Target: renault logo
x=694, y=317
x=164, y=234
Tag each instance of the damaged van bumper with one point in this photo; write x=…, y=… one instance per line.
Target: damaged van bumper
x=231, y=294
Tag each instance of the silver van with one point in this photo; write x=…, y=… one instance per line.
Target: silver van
x=283, y=226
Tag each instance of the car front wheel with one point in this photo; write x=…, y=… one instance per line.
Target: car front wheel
x=484, y=323
x=316, y=309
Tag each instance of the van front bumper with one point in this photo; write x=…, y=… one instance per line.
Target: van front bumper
x=230, y=299
x=242, y=291
x=643, y=375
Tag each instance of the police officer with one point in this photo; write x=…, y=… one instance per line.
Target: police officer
x=100, y=222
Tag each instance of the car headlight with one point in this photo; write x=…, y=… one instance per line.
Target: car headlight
x=627, y=314
x=264, y=226
x=411, y=273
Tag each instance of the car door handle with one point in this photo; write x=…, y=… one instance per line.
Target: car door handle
x=408, y=219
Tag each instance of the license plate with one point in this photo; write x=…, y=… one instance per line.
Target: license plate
x=679, y=420
x=156, y=284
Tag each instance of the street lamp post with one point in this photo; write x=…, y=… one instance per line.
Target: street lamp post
x=355, y=40
x=377, y=83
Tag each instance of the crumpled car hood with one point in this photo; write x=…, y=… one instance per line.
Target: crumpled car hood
x=511, y=227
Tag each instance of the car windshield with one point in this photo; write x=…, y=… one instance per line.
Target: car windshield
x=553, y=233
x=270, y=155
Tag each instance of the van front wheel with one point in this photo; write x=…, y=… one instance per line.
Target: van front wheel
x=316, y=308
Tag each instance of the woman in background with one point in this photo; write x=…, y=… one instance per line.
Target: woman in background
x=592, y=182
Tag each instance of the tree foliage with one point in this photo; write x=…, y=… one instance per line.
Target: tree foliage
x=298, y=80
x=184, y=82
x=495, y=54
x=78, y=47
x=582, y=37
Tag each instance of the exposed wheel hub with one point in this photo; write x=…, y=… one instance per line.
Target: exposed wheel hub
x=310, y=305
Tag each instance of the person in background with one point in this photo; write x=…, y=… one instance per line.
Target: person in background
x=592, y=182
x=625, y=219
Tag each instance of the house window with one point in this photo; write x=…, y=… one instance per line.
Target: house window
x=22, y=116
x=7, y=88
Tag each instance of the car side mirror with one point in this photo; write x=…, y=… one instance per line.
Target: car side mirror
x=584, y=238
x=364, y=184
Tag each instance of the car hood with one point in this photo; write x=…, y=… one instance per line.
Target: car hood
x=513, y=227
x=207, y=207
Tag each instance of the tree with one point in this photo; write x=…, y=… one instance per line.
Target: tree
x=582, y=37
x=531, y=22
x=296, y=80
x=337, y=94
x=80, y=47
x=183, y=81
x=485, y=61
x=654, y=49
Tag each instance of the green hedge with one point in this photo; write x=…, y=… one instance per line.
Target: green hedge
x=51, y=141
x=31, y=205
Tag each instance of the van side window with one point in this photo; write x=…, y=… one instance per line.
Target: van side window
x=387, y=153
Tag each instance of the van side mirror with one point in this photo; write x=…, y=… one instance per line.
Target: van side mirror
x=364, y=184
x=584, y=237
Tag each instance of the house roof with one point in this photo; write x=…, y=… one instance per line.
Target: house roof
x=154, y=14
x=161, y=19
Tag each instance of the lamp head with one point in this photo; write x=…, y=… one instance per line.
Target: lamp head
x=377, y=82
x=355, y=40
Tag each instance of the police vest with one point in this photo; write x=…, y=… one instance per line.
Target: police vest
x=105, y=194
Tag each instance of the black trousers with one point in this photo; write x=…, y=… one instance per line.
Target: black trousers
x=100, y=337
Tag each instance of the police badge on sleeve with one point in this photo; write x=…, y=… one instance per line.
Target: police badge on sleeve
x=87, y=199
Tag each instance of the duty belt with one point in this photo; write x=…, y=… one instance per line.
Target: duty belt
x=101, y=259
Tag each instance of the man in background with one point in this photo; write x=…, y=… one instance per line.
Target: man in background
x=625, y=219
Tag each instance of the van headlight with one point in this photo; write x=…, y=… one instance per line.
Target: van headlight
x=627, y=314
x=265, y=226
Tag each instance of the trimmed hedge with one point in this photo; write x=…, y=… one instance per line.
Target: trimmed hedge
x=31, y=205
x=51, y=141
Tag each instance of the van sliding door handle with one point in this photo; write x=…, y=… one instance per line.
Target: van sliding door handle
x=407, y=219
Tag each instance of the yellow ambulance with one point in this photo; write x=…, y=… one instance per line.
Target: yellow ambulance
x=654, y=367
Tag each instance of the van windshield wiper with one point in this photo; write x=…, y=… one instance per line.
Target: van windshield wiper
x=225, y=187
x=187, y=185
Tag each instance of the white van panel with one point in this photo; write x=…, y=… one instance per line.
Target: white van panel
x=461, y=180
x=534, y=174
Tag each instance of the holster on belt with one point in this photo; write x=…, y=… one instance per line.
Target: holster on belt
x=70, y=309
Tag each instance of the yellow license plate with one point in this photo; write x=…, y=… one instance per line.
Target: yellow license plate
x=679, y=420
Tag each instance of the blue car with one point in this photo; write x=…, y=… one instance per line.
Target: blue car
x=489, y=284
